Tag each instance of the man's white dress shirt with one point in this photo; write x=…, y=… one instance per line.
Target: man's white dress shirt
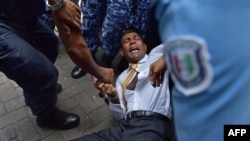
x=144, y=96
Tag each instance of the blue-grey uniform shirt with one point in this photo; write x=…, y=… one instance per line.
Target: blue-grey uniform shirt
x=208, y=52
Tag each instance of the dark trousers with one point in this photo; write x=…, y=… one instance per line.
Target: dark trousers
x=141, y=129
x=27, y=53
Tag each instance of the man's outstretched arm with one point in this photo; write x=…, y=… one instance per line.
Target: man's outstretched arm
x=67, y=20
x=78, y=51
x=157, y=71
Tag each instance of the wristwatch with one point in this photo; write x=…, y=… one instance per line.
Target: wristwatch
x=58, y=5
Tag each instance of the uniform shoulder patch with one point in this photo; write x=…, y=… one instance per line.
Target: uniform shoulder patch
x=188, y=62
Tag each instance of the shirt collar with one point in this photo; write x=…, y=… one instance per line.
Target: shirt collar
x=141, y=62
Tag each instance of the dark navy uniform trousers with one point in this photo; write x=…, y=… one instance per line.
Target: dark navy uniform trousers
x=28, y=50
x=141, y=129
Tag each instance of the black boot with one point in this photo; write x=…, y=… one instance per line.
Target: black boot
x=107, y=61
x=59, y=120
x=78, y=72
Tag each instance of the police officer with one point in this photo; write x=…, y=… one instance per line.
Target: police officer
x=207, y=51
x=28, y=49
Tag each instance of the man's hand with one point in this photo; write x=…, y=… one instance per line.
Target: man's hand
x=68, y=17
x=105, y=88
x=157, y=71
x=106, y=75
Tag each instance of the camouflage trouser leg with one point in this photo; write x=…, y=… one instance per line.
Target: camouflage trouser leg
x=146, y=24
x=141, y=16
x=93, y=15
x=116, y=19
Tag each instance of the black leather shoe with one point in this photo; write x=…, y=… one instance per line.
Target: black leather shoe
x=77, y=72
x=59, y=120
x=106, y=100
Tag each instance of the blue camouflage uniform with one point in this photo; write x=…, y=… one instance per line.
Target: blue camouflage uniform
x=112, y=17
x=28, y=49
x=141, y=14
x=94, y=12
x=117, y=18
x=207, y=51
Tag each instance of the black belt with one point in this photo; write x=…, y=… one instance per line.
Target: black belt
x=147, y=114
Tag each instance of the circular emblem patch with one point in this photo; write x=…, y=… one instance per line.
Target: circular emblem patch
x=188, y=62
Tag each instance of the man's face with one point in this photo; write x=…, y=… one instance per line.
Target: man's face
x=133, y=48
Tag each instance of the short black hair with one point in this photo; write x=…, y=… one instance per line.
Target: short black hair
x=130, y=30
